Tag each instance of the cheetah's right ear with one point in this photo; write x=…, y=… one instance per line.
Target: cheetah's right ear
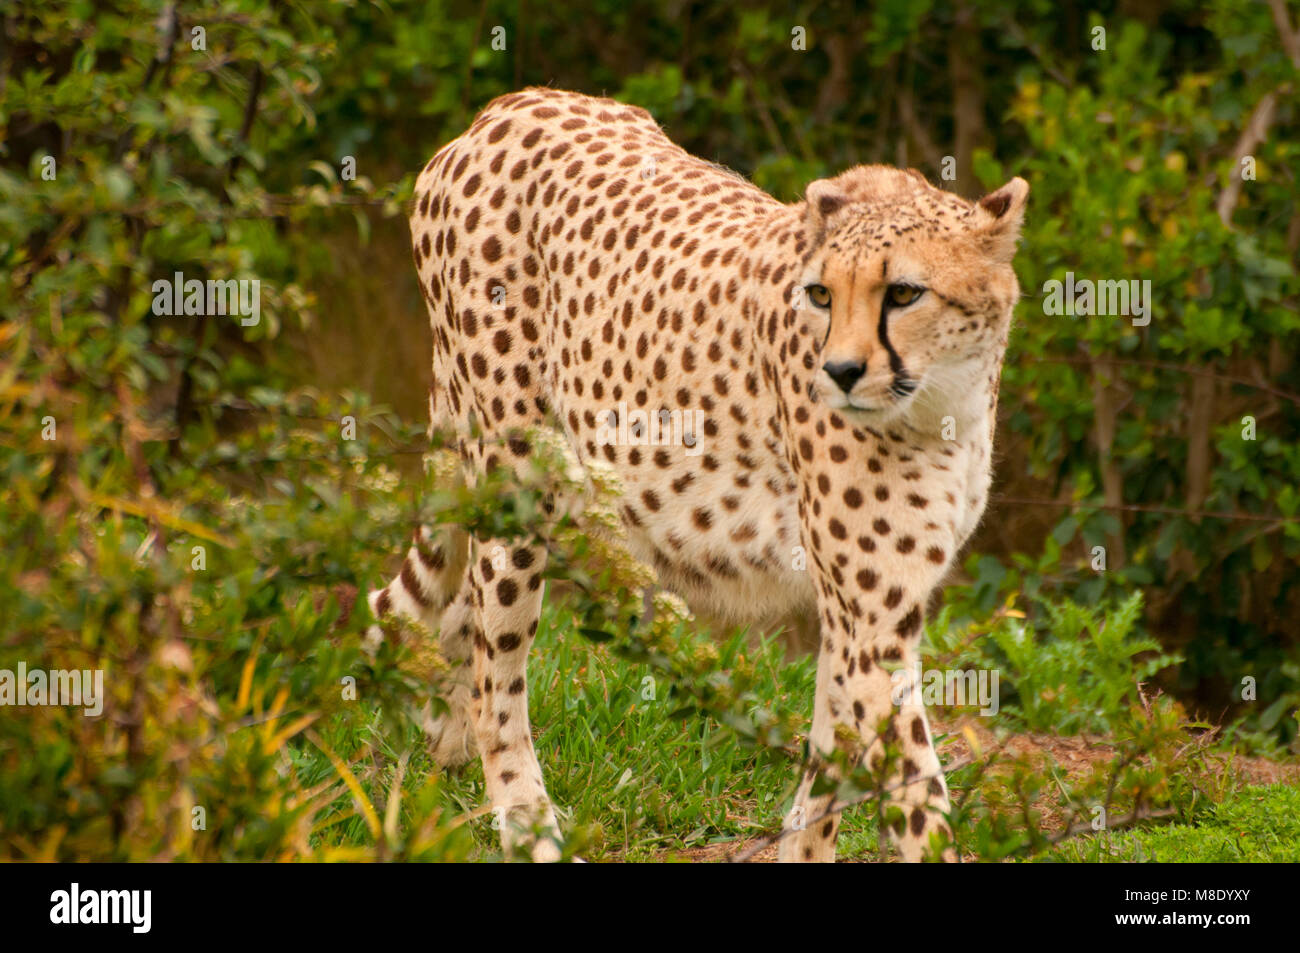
x=1003, y=212
x=824, y=198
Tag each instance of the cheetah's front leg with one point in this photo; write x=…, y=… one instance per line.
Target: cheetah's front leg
x=855, y=695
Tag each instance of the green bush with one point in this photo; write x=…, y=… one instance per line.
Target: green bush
x=1065, y=668
x=1126, y=188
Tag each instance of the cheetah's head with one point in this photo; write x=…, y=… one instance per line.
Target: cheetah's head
x=913, y=287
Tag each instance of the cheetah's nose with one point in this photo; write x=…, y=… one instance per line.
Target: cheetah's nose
x=844, y=373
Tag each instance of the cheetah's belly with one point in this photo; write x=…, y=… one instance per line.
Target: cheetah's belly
x=747, y=565
x=715, y=512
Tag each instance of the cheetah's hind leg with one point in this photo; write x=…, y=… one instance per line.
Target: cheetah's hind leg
x=433, y=590
x=451, y=733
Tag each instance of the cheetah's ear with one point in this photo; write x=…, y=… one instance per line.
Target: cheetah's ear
x=824, y=197
x=1001, y=213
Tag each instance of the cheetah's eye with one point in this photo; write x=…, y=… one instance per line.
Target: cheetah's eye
x=819, y=295
x=900, y=296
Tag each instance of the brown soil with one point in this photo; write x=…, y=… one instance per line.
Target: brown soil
x=1076, y=756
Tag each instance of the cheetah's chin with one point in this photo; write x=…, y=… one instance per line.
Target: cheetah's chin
x=874, y=416
x=862, y=412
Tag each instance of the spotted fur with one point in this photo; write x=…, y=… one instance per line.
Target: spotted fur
x=573, y=258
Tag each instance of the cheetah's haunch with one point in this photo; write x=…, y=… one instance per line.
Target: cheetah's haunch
x=841, y=356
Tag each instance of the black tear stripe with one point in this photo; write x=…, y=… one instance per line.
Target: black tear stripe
x=902, y=384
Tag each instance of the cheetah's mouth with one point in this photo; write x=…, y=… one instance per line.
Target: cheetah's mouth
x=875, y=409
x=891, y=401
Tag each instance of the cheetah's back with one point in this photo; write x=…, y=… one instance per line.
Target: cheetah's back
x=578, y=262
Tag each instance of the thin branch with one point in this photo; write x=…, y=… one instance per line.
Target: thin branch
x=1261, y=118
x=765, y=117
x=914, y=130
x=1290, y=37
x=1141, y=508
x=1045, y=62
x=1137, y=815
x=1168, y=366
x=246, y=125
x=1255, y=133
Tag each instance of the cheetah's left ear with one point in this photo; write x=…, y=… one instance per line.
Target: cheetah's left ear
x=1002, y=213
x=824, y=198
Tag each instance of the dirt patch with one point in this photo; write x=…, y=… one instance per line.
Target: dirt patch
x=1076, y=756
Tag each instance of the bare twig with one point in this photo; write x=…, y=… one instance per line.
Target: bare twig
x=1142, y=508
x=1137, y=815
x=1256, y=131
x=1261, y=118
x=1169, y=366
x=1045, y=62
x=1289, y=35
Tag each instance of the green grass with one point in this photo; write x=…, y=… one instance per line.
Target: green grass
x=636, y=783
x=1256, y=824
x=643, y=783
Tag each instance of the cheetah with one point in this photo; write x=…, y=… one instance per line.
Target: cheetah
x=843, y=354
